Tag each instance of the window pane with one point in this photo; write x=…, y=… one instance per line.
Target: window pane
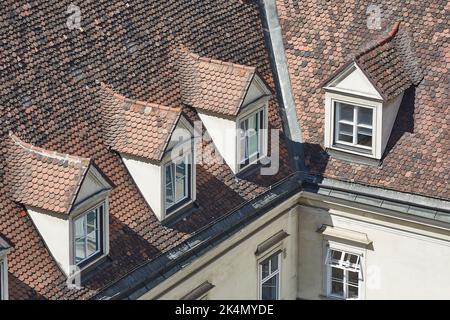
x=243, y=139
x=274, y=263
x=91, y=243
x=352, y=292
x=252, y=142
x=337, y=288
x=346, y=112
x=365, y=116
x=365, y=131
x=352, y=258
x=346, y=129
x=180, y=181
x=261, y=119
x=91, y=221
x=336, y=255
x=269, y=290
x=169, y=186
x=364, y=140
x=337, y=274
x=79, y=250
x=345, y=132
x=265, y=268
x=353, y=278
x=79, y=227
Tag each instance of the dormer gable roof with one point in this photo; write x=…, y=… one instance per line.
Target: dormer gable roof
x=43, y=179
x=386, y=64
x=137, y=128
x=212, y=85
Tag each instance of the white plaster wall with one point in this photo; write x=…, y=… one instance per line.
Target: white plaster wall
x=235, y=274
x=55, y=232
x=149, y=181
x=390, y=110
x=223, y=133
x=405, y=263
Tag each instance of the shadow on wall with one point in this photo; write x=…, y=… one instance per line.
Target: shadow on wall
x=404, y=121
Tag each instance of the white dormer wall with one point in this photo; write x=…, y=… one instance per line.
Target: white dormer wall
x=353, y=86
x=256, y=90
x=148, y=178
x=55, y=228
x=223, y=133
x=223, y=130
x=93, y=184
x=148, y=175
x=352, y=80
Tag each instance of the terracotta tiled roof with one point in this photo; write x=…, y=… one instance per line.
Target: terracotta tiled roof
x=43, y=179
x=383, y=64
x=50, y=76
x=213, y=85
x=320, y=37
x=136, y=127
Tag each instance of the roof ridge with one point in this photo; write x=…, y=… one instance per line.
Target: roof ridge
x=198, y=57
x=49, y=154
x=145, y=105
x=392, y=33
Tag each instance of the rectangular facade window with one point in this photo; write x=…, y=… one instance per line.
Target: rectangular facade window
x=177, y=181
x=269, y=277
x=251, y=139
x=353, y=125
x=88, y=234
x=344, y=274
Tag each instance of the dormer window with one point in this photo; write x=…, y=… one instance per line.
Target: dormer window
x=363, y=97
x=177, y=182
x=88, y=235
x=231, y=101
x=67, y=199
x=252, y=136
x=353, y=126
x=155, y=143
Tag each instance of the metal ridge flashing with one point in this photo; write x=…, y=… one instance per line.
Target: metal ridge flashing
x=277, y=55
x=144, y=278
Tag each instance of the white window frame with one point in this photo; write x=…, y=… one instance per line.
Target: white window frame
x=354, y=124
x=261, y=281
x=262, y=133
x=188, y=198
x=333, y=96
x=328, y=269
x=101, y=234
x=3, y=278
